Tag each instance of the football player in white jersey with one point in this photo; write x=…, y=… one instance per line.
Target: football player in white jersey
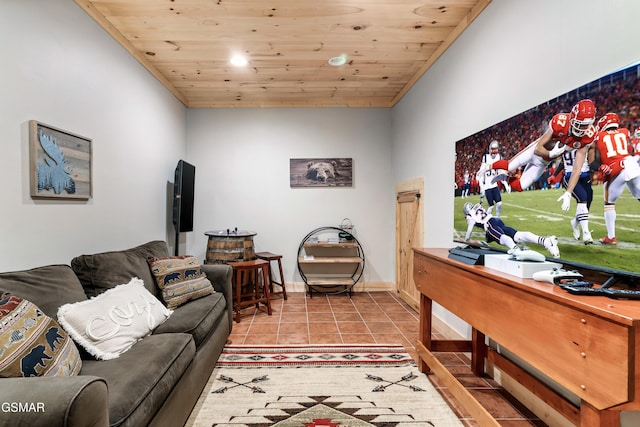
x=497, y=231
x=635, y=145
x=582, y=192
x=466, y=184
x=489, y=188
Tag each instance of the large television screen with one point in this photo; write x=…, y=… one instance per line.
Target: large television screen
x=183, y=196
x=536, y=209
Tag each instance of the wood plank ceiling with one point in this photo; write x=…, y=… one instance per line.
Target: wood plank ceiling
x=187, y=45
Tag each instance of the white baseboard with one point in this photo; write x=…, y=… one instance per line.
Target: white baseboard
x=359, y=287
x=547, y=414
x=447, y=331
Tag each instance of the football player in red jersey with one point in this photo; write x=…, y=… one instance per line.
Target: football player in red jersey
x=618, y=168
x=567, y=131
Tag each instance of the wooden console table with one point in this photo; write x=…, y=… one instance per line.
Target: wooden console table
x=588, y=345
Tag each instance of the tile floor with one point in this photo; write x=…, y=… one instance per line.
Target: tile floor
x=370, y=317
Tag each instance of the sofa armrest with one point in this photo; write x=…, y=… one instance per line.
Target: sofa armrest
x=81, y=400
x=220, y=276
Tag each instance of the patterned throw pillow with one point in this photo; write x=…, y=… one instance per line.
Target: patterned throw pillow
x=111, y=323
x=180, y=278
x=32, y=344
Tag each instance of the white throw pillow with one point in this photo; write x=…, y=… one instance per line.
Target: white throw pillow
x=109, y=324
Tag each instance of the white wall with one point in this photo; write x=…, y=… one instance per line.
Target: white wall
x=60, y=68
x=515, y=55
x=242, y=179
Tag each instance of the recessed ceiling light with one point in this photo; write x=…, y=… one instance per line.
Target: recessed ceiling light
x=239, y=60
x=337, y=61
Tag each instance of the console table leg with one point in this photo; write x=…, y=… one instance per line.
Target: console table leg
x=590, y=417
x=478, y=352
x=424, y=335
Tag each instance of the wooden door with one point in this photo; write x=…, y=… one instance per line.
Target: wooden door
x=409, y=234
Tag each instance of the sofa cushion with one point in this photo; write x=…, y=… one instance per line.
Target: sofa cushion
x=33, y=344
x=140, y=380
x=106, y=270
x=48, y=287
x=196, y=318
x=180, y=279
x=109, y=324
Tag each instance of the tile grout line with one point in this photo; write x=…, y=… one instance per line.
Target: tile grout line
x=382, y=302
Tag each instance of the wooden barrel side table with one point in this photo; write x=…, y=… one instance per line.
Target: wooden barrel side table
x=226, y=246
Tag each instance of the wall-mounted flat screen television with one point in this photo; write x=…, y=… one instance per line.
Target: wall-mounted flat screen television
x=532, y=202
x=183, y=196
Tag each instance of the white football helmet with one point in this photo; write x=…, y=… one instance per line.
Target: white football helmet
x=494, y=146
x=467, y=208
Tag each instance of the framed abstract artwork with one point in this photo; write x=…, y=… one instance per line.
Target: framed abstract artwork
x=60, y=163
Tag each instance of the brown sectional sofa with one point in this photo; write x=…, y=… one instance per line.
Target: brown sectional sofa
x=157, y=382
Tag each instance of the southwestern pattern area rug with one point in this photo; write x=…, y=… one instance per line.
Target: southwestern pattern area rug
x=320, y=386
